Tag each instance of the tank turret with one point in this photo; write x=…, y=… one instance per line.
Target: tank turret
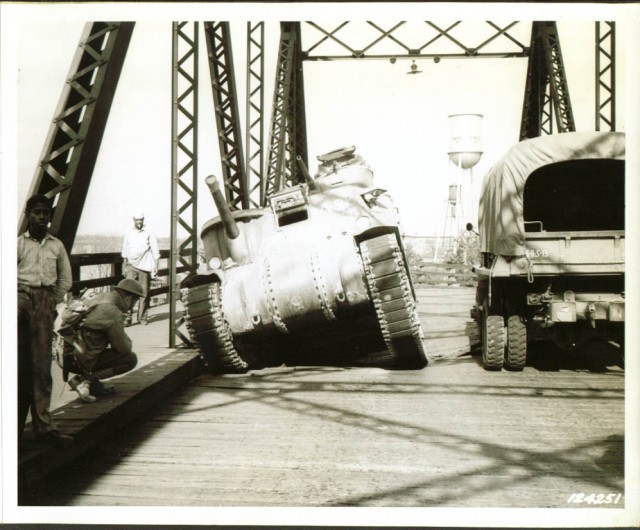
x=317, y=277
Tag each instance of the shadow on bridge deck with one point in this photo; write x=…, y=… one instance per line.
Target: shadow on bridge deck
x=160, y=371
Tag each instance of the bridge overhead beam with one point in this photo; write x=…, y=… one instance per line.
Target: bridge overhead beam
x=423, y=39
x=71, y=148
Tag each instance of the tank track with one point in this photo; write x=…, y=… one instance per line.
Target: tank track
x=390, y=288
x=209, y=330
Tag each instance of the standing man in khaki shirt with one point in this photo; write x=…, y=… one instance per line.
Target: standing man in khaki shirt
x=44, y=277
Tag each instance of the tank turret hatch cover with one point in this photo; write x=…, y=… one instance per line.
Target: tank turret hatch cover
x=338, y=155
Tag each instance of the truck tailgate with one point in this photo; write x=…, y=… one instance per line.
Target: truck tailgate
x=573, y=253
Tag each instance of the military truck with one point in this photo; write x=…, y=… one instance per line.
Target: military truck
x=552, y=241
x=317, y=277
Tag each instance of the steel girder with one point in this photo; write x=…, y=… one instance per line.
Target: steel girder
x=546, y=85
x=426, y=36
x=218, y=38
x=276, y=163
x=255, y=112
x=184, y=161
x=606, y=76
x=296, y=115
x=288, y=123
x=73, y=141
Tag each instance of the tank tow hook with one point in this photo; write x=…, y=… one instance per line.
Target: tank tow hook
x=591, y=314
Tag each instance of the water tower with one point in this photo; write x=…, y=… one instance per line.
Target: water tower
x=465, y=150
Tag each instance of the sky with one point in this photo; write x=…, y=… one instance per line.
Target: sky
x=398, y=122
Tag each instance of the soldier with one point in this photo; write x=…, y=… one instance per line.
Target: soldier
x=104, y=347
x=44, y=277
x=140, y=253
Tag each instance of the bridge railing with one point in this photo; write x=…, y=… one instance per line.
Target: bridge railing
x=427, y=274
x=100, y=270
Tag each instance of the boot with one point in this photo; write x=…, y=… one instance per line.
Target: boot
x=81, y=386
x=69, y=365
x=98, y=388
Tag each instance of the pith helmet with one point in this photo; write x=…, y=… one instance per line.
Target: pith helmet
x=138, y=214
x=130, y=286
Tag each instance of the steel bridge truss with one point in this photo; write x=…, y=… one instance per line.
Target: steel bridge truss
x=254, y=168
x=277, y=135
x=605, y=75
x=546, y=87
x=424, y=39
x=74, y=138
x=184, y=163
x=73, y=141
x=223, y=85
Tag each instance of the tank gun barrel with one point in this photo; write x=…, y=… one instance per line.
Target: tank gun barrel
x=230, y=226
x=307, y=176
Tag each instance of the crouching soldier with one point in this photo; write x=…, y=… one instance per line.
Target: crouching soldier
x=103, y=349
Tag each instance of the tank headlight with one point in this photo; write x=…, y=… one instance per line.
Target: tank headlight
x=215, y=263
x=534, y=299
x=363, y=222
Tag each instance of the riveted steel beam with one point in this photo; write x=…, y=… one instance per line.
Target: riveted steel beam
x=606, y=76
x=546, y=88
x=71, y=148
x=225, y=101
x=255, y=113
x=184, y=163
x=557, y=78
x=278, y=168
x=296, y=144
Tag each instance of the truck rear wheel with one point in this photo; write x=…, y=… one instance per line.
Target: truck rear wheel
x=492, y=341
x=516, y=350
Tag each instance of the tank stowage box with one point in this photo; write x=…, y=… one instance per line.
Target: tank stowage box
x=318, y=277
x=552, y=238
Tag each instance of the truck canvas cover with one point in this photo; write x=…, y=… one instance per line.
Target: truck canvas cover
x=500, y=215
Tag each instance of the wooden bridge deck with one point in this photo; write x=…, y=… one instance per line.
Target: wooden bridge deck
x=451, y=435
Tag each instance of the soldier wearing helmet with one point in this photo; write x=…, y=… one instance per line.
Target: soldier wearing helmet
x=140, y=255
x=106, y=347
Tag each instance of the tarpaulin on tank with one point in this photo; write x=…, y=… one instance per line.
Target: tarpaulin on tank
x=500, y=215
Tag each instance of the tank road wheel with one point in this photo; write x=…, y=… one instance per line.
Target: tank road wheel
x=492, y=341
x=390, y=290
x=515, y=356
x=209, y=330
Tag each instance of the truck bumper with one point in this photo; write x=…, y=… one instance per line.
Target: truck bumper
x=591, y=310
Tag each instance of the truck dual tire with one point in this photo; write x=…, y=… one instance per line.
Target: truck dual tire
x=503, y=338
x=492, y=341
x=516, y=348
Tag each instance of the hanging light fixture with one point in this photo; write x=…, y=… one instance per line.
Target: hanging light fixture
x=414, y=69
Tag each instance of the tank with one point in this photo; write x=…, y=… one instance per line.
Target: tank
x=318, y=277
